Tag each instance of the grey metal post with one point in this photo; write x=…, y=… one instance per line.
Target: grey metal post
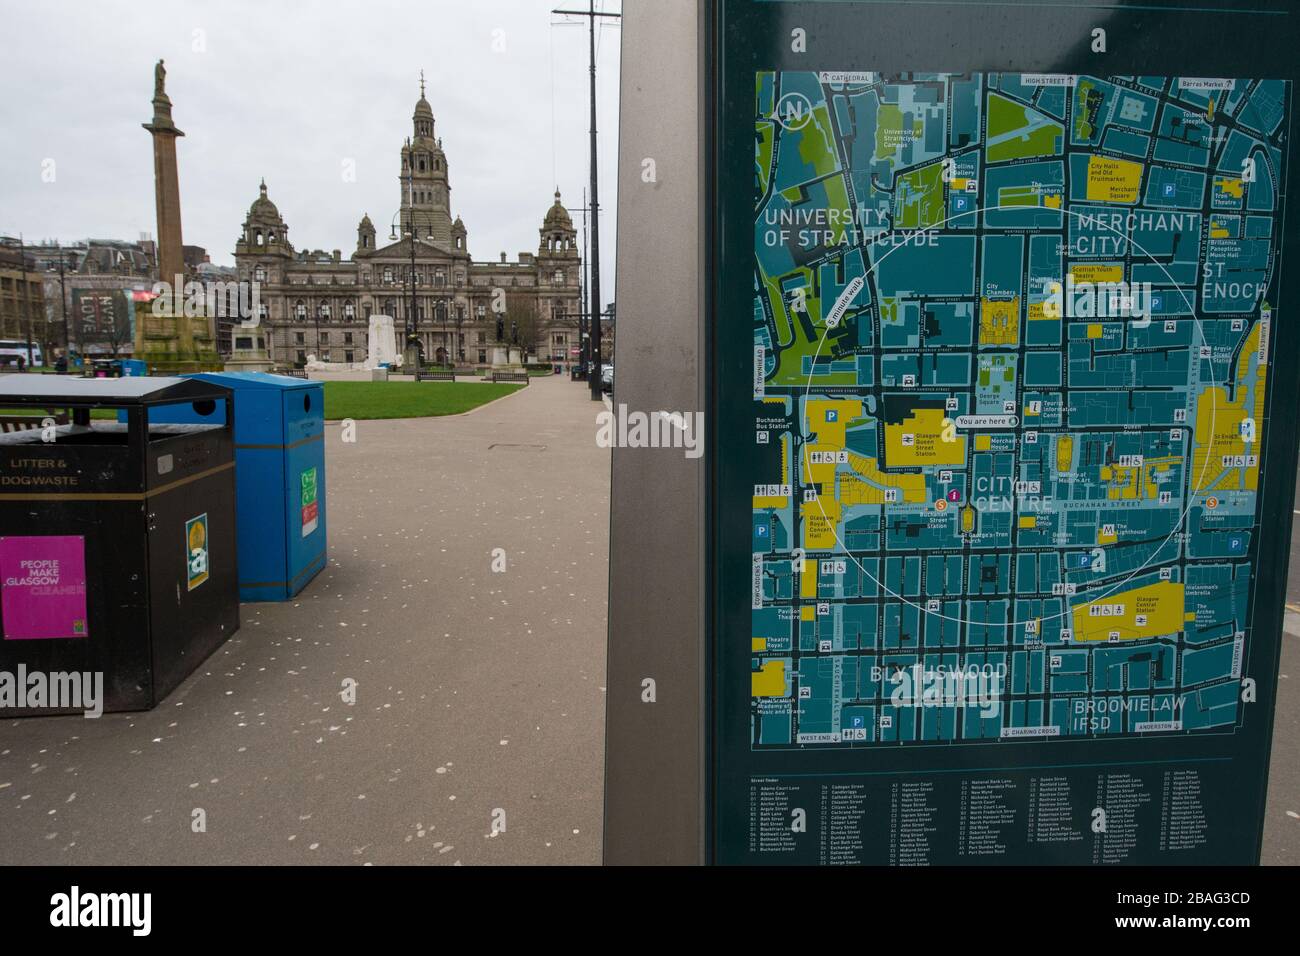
x=654, y=752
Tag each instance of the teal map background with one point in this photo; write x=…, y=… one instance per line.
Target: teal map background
x=1011, y=344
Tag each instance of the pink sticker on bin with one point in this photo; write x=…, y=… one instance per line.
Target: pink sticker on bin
x=43, y=586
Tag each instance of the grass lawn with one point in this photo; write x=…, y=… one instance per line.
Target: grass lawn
x=362, y=400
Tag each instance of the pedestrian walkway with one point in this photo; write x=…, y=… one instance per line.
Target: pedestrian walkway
x=479, y=693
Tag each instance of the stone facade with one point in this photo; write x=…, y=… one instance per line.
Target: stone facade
x=22, y=296
x=318, y=303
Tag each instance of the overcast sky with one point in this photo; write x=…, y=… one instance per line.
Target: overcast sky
x=291, y=91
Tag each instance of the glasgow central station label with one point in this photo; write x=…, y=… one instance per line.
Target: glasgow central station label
x=1002, y=487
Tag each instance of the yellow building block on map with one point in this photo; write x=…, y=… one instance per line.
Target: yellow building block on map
x=1113, y=180
x=1104, y=538
x=868, y=484
x=819, y=521
x=770, y=681
x=1029, y=521
x=1096, y=272
x=999, y=321
x=918, y=440
x=758, y=644
x=1064, y=453
x=1230, y=187
x=983, y=442
x=827, y=418
x=1095, y=330
x=1152, y=610
x=808, y=579
x=808, y=613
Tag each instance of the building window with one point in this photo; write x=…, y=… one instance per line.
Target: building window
x=388, y=273
x=302, y=357
x=259, y=274
x=347, y=356
x=482, y=356
x=349, y=311
x=481, y=311
x=325, y=338
x=347, y=339
x=482, y=338
x=300, y=338
x=300, y=309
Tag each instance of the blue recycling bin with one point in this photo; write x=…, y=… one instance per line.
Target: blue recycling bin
x=279, y=477
x=133, y=368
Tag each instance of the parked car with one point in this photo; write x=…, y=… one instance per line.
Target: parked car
x=607, y=378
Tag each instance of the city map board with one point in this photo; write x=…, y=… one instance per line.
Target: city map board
x=1009, y=342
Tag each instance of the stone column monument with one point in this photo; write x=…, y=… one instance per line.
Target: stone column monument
x=170, y=336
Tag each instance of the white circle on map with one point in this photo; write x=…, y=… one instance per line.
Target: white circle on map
x=793, y=111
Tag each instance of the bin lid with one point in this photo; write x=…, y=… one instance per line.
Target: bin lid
x=243, y=380
x=33, y=389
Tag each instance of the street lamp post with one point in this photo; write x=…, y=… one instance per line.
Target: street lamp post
x=27, y=296
x=63, y=302
x=460, y=335
x=412, y=322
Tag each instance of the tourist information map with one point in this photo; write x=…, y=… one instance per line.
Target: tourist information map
x=1012, y=353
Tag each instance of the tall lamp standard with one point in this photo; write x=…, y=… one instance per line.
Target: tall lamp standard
x=63, y=302
x=412, y=323
x=444, y=307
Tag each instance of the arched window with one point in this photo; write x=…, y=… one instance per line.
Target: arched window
x=259, y=238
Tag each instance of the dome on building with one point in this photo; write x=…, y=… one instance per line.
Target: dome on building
x=262, y=208
x=557, y=216
x=422, y=108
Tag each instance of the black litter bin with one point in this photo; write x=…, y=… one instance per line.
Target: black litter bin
x=117, y=540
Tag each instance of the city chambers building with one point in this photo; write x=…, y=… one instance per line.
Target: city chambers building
x=472, y=312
